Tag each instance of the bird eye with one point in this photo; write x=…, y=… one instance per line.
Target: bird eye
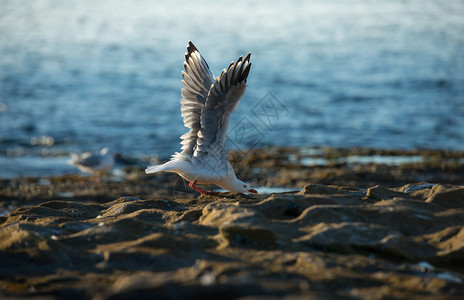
x=244, y=185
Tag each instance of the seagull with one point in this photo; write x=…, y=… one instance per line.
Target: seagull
x=206, y=106
x=94, y=163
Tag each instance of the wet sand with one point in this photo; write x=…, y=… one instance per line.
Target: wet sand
x=348, y=230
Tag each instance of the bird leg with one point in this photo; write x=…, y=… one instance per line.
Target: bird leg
x=203, y=192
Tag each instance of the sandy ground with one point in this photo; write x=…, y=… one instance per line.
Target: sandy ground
x=344, y=230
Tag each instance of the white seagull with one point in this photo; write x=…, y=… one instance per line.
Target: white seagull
x=94, y=163
x=206, y=105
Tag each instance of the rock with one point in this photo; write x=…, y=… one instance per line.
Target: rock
x=353, y=237
x=326, y=242
x=280, y=206
x=226, y=213
x=447, y=197
x=246, y=235
x=327, y=190
x=450, y=245
x=382, y=193
x=13, y=237
x=417, y=188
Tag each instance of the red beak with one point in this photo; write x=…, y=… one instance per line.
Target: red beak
x=253, y=191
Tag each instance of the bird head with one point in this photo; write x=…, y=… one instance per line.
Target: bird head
x=243, y=187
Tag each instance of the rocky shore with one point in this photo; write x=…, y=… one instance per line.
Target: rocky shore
x=352, y=224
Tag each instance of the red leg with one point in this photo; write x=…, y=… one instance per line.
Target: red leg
x=203, y=192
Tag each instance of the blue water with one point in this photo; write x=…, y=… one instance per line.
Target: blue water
x=78, y=75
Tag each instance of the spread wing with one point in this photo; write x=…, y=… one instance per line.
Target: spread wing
x=85, y=160
x=196, y=81
x=223, y=98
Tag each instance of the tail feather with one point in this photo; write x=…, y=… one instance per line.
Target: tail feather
x=74, y=160
x=157, y=168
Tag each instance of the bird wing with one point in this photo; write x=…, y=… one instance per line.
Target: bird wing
x=223, y=98
x=90, y=160
x=196, y=81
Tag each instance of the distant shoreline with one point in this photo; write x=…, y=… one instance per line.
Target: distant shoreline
x=52, y=166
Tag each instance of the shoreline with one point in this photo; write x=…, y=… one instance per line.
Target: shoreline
x=310, y=156
x=269, y=167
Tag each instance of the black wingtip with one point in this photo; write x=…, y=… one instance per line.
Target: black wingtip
x=247, y=58
x=191, y=46
x=230, y=66
x=245, y=73
x=190, y=49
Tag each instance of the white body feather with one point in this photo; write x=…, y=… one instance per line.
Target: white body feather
x=206, y=105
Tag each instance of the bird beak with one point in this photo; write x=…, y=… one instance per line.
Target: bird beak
x=253, y=191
